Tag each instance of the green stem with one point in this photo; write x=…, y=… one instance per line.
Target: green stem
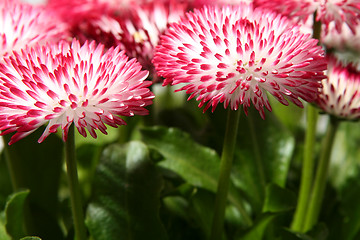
x=16, y=172
x=307, y=170
x=256, y=150
x=321, y=176
x=316, y=29
x=308, y=161
x=13, y=164
x=75, y=196
x=225, y=170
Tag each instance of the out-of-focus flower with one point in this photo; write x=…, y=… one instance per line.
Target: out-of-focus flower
x=340, y=95
x=142, y=30
x=346, y=40
x=234, y=55
x=136, y=27
x=345, y=46
x=61, y=84
x=75, y=12
x=327, y=11
x=22, y=24
x=201, y=3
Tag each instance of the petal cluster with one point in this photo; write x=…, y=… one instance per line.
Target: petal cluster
x=340, y=95
x=63, y=84
x=344, y=41
x=75, y=12
x=337, y=11
x=23, y=24
x=142, y=29
x=235, y=55
x=136, y=27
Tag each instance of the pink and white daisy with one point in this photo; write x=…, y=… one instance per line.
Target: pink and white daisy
x=75, y=12
x=234, y=55
x=63, y=84
x=340, y=95
x=344, y=41
x=22, y=24
x=142, y=30
x=201, y=3
x=337, y=11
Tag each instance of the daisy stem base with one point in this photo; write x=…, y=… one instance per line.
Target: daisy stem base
x=16, y=172
x=307, y=170
x=225, y=170
x=13, y=164
x=317, y=194
x=74, y=186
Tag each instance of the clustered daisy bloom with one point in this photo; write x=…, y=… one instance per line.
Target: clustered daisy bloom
x=344, y=41
x=67, y=83
x=234, y=55
x=142, y=30
x=22, y=24
x=340, y=95
x=337, y=11
x=75, y=12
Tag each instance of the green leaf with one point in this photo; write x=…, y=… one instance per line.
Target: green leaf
x=258, y=229
x=345, y=158
x=351, y=208
x=196, y=164
x=3, y=233
x=31, y=238
x=126, y=194
x=203, y=203
x=38, y=167
x=319, y=232
x=5, y=182
x=263, y=156
x=15, y=215
x=177, y=215
x=278, y=199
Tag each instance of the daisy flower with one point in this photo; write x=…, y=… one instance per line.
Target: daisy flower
x=327, y=11
x=201, y=3
x=340, y=95
x=23, y=24
x=74, y=12
x=142, y=30
x=63, y=84
x=344, y=41
x=234, y=55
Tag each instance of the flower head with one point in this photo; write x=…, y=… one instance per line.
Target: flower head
x=235, y=55
x=142, y=30
x=22, y=24
x=202, y=3
x=64, y=84
x=75, y=12
x=344, y=41
x=337, y=11
x=340, y=95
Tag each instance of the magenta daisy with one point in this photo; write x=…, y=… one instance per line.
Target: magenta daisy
x=23, y=24
x=337, y=11
x=234, y=55
x=340, y=95
x=63, y=84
